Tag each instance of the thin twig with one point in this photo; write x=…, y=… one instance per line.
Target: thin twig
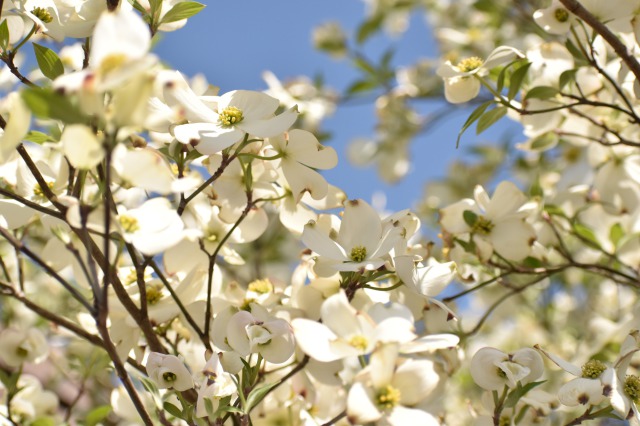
x=621, y=50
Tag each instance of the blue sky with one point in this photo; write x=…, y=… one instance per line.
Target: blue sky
x=233, y=43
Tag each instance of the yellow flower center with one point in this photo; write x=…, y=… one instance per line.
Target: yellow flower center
x=500, y=372
x=359, y=342
x=42, y=14
x=482, y=226
x=154, y=293
x=505, y=421
x=39, y=193
x=260, y=286
x=469, y=64
x=112, y=62
x=22, y=352
x=561, y=14
x=358, y=253
x=129, y=224
x=632, y=388
x=169, y=377
x=230, y=116
x=593, y=369
x=388, y=397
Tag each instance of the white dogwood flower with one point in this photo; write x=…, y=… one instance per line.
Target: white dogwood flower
x=460, y=83
x=362, y=241
x=301, y=154
x=493, y=369
x=168, y=371
x=495, y=223
x=345, y=331
x=153, y=227
x=555, y=19
x=233, y=115
x=20, y=346
x=388, y=390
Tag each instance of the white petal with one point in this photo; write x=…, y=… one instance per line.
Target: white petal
x=360, y=407
x=430, y=343
x=313, y=338
x=270, y=127
x=220, y=138
x=146, y=169
x=120, y=32
x=401, y=416
x=507, y=199
x=501, y=55
x=254, y=105
x=581, y=391
x=305, y=148
x=340, y=316
x=513, y=239
x=451, y=217
x=532, y=360
x=458, y=90
x=382, y=365
x=394, y=329
x=302, y=179
x=484, y=371
x=361, y=226
x=566, y=366
x=15, y=213
x=16, y=128
x=415, y=380
x=320, y=243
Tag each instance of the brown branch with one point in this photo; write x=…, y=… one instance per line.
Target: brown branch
x=38, y=176
x=31, y=204
x=48, y=269
x=621, y=50
x=9, y=291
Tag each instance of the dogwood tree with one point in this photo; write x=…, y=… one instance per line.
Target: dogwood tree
x=174, y=256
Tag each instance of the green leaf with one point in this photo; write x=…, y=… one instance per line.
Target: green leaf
x=10, y=381
x=139, y=7
x=361, y=86
x=472, y=119
x=568, y=76
x=502, y=75
x=48, y=61
x=544, y=142
x=385, y=61
x=489, y=118
x=44, y=421
x=470, y=217
x=517, y=77
x=616, y=233
x=369, y=27
x=488, y=6
x=468, y=246
x=97, y=415
x=45, y=103
x=4, y=35
x=173, y=410
x=532, y=262
x=541, y=92
x=257, y=394
x=230, y=409
x=365, y=65
x=585, y=233
x=150, y=386
x=519, y=392
x=38, y=137
x=181, y=11
x=554, y=210
x=575, y=52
